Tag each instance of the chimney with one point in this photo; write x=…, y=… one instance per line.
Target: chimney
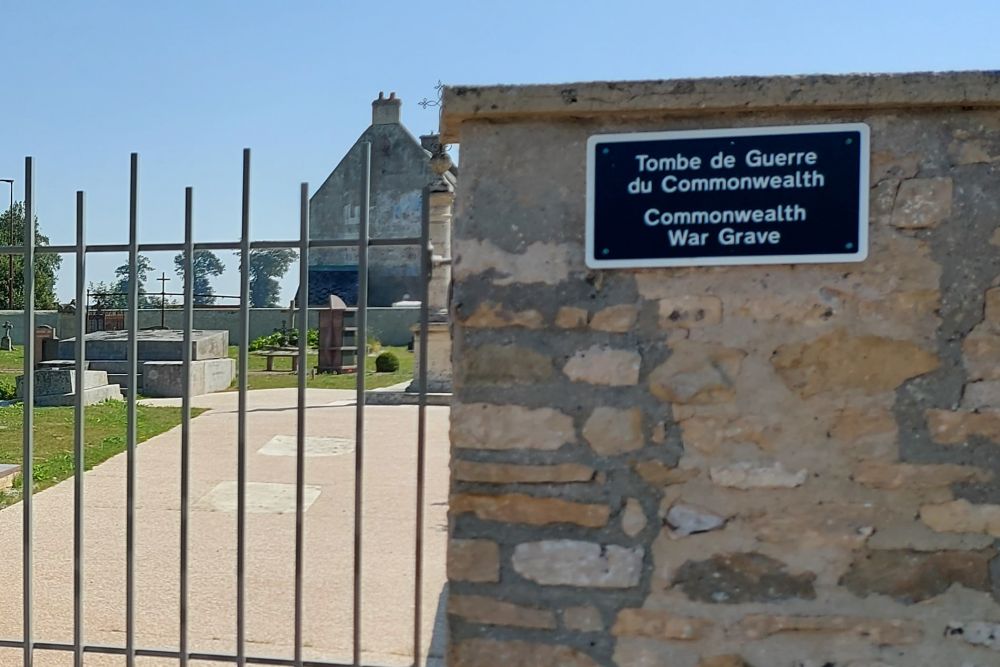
x=385, y=111
x=430, y=142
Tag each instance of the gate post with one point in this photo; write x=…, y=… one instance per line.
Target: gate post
x=764, y=465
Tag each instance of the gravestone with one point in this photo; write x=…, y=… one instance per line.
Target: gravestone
x=57, y=386
x=7, y=343
x=160, y=355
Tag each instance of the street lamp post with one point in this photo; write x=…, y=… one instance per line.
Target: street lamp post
x=10, y=258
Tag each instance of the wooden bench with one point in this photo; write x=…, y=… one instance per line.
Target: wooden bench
x=271, y=355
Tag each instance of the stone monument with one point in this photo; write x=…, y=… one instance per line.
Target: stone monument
x=160, y=355
x=441, y=198
x=7, y=343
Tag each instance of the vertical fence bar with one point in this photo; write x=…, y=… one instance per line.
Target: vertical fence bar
x=241, y=447
x=130, y=437
x=425, y=277
x=361, y=355
x=28, y=396
x=188, y=325
x=300, y=432
x=79, y=464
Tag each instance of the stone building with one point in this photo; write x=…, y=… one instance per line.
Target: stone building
x=400, y=171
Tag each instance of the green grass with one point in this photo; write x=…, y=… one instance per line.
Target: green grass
x=12, y=361
x=261, y=379
x=104, y=436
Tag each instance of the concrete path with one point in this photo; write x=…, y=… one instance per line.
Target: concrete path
x=388, y=557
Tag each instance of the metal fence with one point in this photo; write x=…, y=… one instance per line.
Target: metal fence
x=183, y=653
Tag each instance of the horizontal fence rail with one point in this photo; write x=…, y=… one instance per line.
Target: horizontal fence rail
x=212, y=245
x=183, y=653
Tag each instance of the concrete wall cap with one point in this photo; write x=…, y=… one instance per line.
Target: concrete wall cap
x=978, y=89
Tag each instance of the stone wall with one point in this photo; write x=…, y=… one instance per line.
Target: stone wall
x=16, y=318
x=390, y=325
x=774, y=466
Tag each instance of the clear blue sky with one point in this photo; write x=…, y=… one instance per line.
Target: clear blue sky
x=187, y=84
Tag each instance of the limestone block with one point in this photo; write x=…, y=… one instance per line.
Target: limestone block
x=55, y=381
x=853, y=424
x=152, y=345
x=611, y=431
x=540, y=263
x=982, y=355
x=633, y=518
x=736, y=578
x=697, y=373
x=658, y=624
x=491, y=315
x=893, y=476
x=827, y=526
x=490, y=611
x=165, y=378
x=982, y=394
x=504, y=427
x=657, y=473
x=602, y=365
x=92, y=396
x=890, y=164
x=955, y=427
x=749, y=475
x=473, y=560
x=615, y=319
x=686, y=312
x=877, y=630
x=512, y=473
x=707, y=434
x=480, y=652
x=977, y=633
x=505, y=365
x=439, y=371
x=585, y=618
x=970, y=152
x=922, y=203
x=961, y=516
x=991, y=310
x=686, y=519
x=910, y=576
x=521, y=508
x=578, y=563
x=839, y=361
x=570, y=317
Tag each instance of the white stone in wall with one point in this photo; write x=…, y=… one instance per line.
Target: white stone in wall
x=578, y=563
x=749, y=475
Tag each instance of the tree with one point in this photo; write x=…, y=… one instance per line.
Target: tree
x=106, y=296
x=205, y=264
x=46, y=265
x=266, y=266
x=115, y=295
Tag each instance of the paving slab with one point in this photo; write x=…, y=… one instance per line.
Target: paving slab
x=388, y=514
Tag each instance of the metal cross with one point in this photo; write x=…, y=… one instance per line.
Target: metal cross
x=163, y=299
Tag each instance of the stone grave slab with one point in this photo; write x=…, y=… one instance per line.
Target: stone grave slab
x=261, y=498
x=164, y=379
x=58, y=387
x=152, y=345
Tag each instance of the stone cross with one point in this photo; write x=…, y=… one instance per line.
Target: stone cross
x=6, y=343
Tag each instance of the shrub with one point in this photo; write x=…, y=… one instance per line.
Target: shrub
x=387, y=362
x=277, y=339
x=7, y=391
x=374, y=345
